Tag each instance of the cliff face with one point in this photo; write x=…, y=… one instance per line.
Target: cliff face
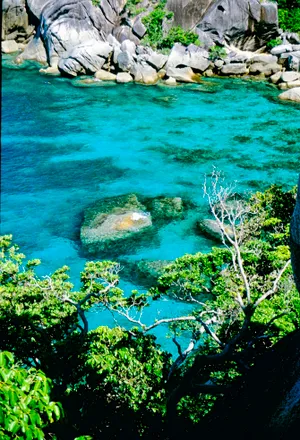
x=15, y=21
x=247, y=24
x=188, y=14
x=63, y=25
x=295, y=240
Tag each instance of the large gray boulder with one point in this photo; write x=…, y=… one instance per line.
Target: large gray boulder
x=192, y=56
x=248, y=24
x=157, y=60
x=125, y=61
x=9, y=46
x=67, y=24
x=144, y=73
x=35, y=50
x=86, y=58
x=235, y=69
x=182, y=74
x=211, y=229
x=36, y=7
x=290, y=76
x=15, y=21
x=291, y=95
x=264, y=69
x=123, y=78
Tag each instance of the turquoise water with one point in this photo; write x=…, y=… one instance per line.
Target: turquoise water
x=66, y=146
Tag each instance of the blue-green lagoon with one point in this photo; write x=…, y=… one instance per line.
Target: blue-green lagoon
x=66, y=145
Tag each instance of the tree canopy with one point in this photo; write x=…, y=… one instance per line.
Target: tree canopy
x=119, y=382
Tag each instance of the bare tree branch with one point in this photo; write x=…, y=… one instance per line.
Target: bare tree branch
x=275, y=285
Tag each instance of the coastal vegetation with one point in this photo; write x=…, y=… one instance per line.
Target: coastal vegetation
x=157, y=38
x=289, y=15
x=118, y=382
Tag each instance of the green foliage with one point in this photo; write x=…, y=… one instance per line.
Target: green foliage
x=289, y=15
x=104, y=371
x=273, y=43
x=274, y=209
x=132, y=7
x=217, y=52
x=35, y=321
x=25, y=404
x=179, y=35
x=198, y=275
x=124, y=380
x=155, y=36
x=154, y=22
x=115, y=381
x=289, y=20
x=96, y=2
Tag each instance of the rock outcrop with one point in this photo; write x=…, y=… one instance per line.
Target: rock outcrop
x=247, y=24
x=188, y=14
x=16, y=23
x=72, y=30
x=76, y=37
x=295, y=238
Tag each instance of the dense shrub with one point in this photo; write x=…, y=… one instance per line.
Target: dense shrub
x=179, y=35
x=217, y=52
x=155, y=36
x=289, y=15
x=273, y=43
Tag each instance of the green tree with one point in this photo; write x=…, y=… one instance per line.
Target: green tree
x=107, y=372
x=26, y=408
x=289, y=15
x=119, y=382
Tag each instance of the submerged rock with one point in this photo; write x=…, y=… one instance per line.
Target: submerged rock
x=113, y=220
x=152, y=270
x=166, y=207
x=211, y=229
x=144, y=272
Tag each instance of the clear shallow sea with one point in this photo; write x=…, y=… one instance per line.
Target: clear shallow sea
x=65, y=146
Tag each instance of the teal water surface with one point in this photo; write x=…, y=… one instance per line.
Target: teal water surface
x=66, y=146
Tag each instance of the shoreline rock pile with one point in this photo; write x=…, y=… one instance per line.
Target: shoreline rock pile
x=104, y=39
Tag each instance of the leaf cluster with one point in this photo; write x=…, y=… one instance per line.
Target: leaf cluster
x=25, y=404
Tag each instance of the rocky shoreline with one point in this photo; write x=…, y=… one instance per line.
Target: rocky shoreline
x=105, y=41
